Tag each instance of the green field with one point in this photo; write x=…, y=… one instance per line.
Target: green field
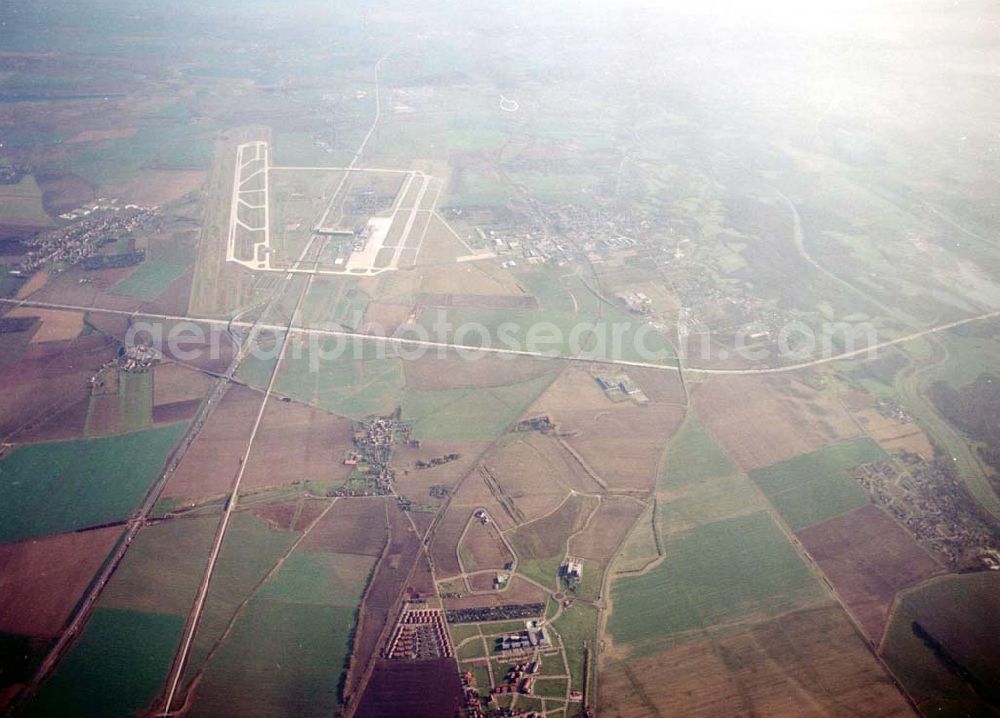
x=641, y=546
x=249, y=552
x=335, y=579
x=337, y=382
x=699, y=485
x=115, y=670
x=469, y=414
x=961, y=615
x=577, y=626
x=178, y=145
x=130, y=410
x=67, y=485
x=288, y=649
x=694, y=456
x=712, y=574
x=460, y=631
x=136, y=392
x=283, y=658
x=471, y=650
x=257, y=367
x=163, y=567
x=819, y=485
x=551, y=688
x=149, y=280
x=21, y=203
x=708, y=501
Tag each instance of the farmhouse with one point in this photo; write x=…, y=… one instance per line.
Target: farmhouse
x=573, y=568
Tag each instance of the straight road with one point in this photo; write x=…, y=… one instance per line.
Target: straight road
x=430, y=344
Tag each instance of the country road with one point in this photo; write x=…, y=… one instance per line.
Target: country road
x=191, y=628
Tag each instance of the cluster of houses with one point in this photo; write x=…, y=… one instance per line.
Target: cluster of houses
x=91, y=230
x=420, y=633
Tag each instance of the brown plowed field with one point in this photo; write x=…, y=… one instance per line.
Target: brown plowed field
x=608, y=527
x=624, y=447
x=57, y=326
x=574, y=391
x=391, y=578
x=295, y=515
x=482, y=548
x=659, y=385
x=415, y=483
x=52, y=375
x=482, y=581
x=213, y=352
x=353, y=525
x=296, y=442
x=621, y=442
x=42, y=580
x=67, y=424
x=211, y=463
x=808, y=663
x=868, y=558
x=67, y=289
x=761, y=421
x=537, y=473
x=446, y=535
x=62, y=192
x=415, y=689
x=546, y=537
x=422, y=520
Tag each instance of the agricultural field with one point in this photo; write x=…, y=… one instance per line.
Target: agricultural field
x=541, y=544
x=819, y=485
x=307, y=606
x=759, y=422
x=714, y=574
x=64, y=486
x=619, y=444
x=42, y=580
x=469, y=414
x=150, y=280
x=868, y=558
x=577, y=630
x=808, y=662
x=326, y=374
x=941, y=642
x=116, y=668
x=482, y=548
x=21, y=204
x=161, y=571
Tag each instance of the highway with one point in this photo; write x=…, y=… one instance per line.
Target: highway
x=430, y=344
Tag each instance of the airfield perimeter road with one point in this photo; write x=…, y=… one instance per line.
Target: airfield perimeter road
x=404, y=341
